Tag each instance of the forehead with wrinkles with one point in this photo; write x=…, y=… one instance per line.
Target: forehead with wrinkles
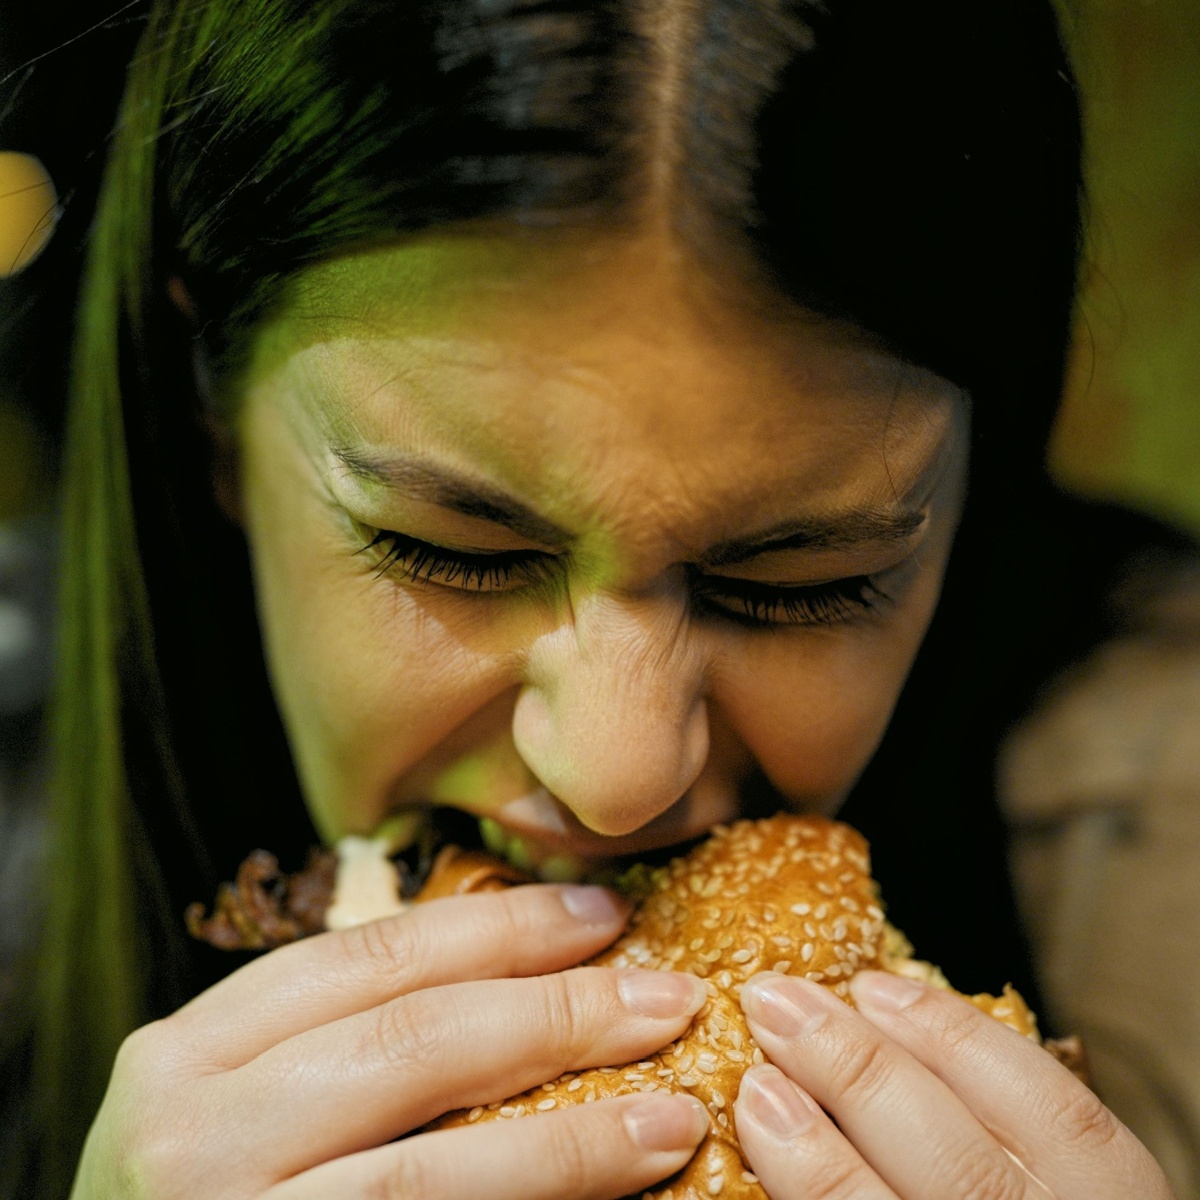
x=607, y=383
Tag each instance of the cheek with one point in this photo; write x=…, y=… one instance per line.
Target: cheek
x=812, y=709
x=368, y=676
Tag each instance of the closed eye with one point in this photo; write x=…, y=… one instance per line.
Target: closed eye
x=469, y=571
x=764, y=605
x=753, y=604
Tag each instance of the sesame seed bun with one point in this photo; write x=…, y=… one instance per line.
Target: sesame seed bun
x=791, y=894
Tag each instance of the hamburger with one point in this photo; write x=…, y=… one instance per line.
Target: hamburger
x=789, y=893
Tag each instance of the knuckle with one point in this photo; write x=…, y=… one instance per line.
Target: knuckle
x=954, y=1026
x=860, y=1068
x=565, y=1006
x=520, y=918
x=1084, y=1121
x=138, y=1051
x=985, y=1176
x=407, y=1179
x=407, y=1033
x=385, y=948
x=150, y=1053
x=834, y=1178
x=568, y=1153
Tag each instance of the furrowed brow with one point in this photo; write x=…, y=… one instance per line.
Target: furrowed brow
x=840, y=531
x=421, y=480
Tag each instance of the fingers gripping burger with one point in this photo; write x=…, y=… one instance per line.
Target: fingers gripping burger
x=792, y=894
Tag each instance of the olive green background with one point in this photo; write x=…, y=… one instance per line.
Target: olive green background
x=1130, y=428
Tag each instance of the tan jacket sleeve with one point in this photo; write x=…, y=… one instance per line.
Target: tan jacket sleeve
x=1102, y=788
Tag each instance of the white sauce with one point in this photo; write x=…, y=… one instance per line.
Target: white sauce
x=367, y=886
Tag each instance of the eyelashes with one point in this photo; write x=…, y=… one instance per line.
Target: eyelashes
x=757, y=605
x=838, y=602
x=423, y=562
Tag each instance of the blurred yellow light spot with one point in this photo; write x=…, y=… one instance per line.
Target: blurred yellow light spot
x=28, y=210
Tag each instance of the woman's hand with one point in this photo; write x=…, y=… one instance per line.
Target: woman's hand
x=933, y=1100
x=291, y=1079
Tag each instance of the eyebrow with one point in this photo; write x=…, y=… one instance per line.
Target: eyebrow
x=473, y=497
x=838, y=531
x=448, y=489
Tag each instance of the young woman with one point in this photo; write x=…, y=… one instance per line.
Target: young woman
x=605, y=419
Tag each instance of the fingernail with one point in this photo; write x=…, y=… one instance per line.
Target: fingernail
x=776, y=1103
x=661, y=994
x=594, y=905
x=882, y=989
x=785, y=1005
x=666, y=1122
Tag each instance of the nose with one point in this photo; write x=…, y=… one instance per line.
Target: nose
x=612, y=716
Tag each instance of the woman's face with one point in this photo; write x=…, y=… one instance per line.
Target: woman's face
x=565, y=534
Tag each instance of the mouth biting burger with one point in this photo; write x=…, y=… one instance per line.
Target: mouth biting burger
x=788, y=893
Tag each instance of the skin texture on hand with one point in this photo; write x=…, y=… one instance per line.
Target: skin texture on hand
x=933, y=1101
x=292, y=1077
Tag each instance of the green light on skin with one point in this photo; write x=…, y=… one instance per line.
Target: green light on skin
x=402, y=830
x=560, y=868
x=494, y=836
x=520, y=855
x=555, y=868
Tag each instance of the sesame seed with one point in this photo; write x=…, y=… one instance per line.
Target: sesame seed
x=802, y=910
x=634, y=1076
x=722, y=1120
x=574, y=1085
x=822, y=912
x=848, y=904
x=718, y=1099
x=546, y=1105
x=716, y=1185
x=549, y=1087
x=709, y=1068
x=807, y=952
x=508, y=1111
x=741, y=956
x=685, y=1063
x=749, y=1177
x=687, y=1081
x=475, y=1113
x=783, y=966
